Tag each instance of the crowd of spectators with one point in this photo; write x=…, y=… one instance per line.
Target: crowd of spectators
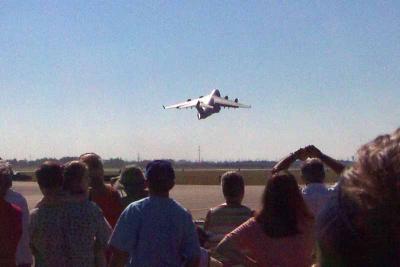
x=83, y=222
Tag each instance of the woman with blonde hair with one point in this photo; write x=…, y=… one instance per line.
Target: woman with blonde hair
x=361, y=224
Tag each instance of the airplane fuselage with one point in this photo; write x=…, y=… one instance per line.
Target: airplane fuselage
x=210, y=107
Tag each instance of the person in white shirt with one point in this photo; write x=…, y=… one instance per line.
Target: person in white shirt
x=315, y=192
x=23, y=255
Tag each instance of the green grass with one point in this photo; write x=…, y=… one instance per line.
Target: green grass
x=212, y=176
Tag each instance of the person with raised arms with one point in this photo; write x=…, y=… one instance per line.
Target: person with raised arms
x=315, y=192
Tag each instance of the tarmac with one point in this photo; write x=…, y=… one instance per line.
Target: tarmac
x=196, y=198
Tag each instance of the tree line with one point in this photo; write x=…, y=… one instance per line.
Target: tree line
x=118, y=163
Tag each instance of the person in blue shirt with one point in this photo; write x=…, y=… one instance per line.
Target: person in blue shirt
x=155, y=231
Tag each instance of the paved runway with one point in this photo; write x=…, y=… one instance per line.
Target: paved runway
x=197, y=198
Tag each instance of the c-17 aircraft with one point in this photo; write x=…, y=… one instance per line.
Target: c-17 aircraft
x=209, y=104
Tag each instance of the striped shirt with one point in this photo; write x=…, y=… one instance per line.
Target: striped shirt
x=222, y=219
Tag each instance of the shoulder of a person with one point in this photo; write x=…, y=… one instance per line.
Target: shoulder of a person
x=34, y=211
x=90, y=208
x=16, y=208
x=177, y=204
x=137, y=205
x=33, y=214
x=251, y=222
x=178, y=207
x=244, y=207
x=91, y=205
x=217, y=208
x=15, y=196
x=248, y=225
x=315, y=188
x=307, y=189
x=85, y=205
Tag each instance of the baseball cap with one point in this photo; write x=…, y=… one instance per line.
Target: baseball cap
x=159, y=170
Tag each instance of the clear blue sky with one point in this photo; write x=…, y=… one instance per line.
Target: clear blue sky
x=79, y=76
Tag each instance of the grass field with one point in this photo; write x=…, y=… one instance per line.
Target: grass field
x=212, y=176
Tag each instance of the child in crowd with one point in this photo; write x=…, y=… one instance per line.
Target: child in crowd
x=224, y=218
x=132, y=183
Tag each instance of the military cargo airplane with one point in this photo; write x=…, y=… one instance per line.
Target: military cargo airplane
x=209, y=104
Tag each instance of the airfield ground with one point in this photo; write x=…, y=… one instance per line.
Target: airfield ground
x=196, y=198
x=197, y=190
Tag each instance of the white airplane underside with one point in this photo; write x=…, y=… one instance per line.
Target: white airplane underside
x=208, y=105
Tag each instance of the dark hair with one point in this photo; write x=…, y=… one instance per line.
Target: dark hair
x=74, y=173
x=132, y=175
x=160, y=176
x=368, y=213
x=232, y=184
x=49, y=175
x=313, y=171
x=282, y=207
x=92, y=160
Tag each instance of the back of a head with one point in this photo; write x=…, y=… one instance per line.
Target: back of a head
x=160, y=176
x=232, y=185
x=75, y=177
x=49, y=175
x=132, y=179
x=94, y=164
x=132, y=175
x=92, y=160
x=283, y=207
x=312, y=171
x=369, y=204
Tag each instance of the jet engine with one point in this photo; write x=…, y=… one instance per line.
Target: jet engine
x=226, y=97
x=236, y=100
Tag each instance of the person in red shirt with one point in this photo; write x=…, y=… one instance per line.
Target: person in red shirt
x=10, y=223
x=105, y=196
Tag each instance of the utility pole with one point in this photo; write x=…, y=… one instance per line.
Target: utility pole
x=138, y=157
x=199, y=154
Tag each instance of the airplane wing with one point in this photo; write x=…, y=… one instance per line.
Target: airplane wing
x=188, y=104
x=229, y=103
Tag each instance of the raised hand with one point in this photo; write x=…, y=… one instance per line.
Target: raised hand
x=301, y=154
x=312, y=152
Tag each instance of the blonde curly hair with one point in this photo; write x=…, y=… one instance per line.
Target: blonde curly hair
x=374, y=180
x=361, y=227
